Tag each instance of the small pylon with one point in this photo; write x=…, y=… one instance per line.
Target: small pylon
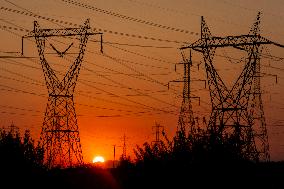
x=186, y=122
x=186, y=128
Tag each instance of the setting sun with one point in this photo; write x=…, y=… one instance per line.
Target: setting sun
x=98, y=159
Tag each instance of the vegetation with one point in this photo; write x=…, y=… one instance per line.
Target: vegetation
x=189, y=150
x=18, y=152
x=20, y=159
x=203, y=160
x=186, y=161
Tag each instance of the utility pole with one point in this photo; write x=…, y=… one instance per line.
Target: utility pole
x=113, y=164
x=237, y=112
x=60, y=133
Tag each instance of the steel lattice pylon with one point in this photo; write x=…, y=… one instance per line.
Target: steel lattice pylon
x=186, y=124
x=186, y=120
x=60, y=134
x=237, y=112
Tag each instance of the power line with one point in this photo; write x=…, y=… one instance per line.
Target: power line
x=118, y=15
x=135, y=45
x=149, y=108
x=95, y=29
x=162, y=8
x=12, y=89
x=230, y=3
x=9, y=78
x=128, y=112
x=124, y=44
x=19, y=114
x=56, y=21
x=36, y=82
x=23, y=109
x=141, y=55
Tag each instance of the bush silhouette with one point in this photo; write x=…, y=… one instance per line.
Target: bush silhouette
x=20, y=160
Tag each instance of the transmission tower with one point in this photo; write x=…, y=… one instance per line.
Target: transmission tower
x=158, y=129
x=60, y=134
x=237, y=112
x=186, y=123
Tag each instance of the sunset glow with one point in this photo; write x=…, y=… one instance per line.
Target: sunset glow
x=98, y=159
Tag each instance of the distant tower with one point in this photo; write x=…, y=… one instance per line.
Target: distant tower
x=124, y=157
x=158, y=129
x=237, y=112
x=60, y=134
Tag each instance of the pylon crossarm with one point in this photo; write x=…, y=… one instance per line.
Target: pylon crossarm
x=83, y=30
x=43, y=33
x=62, y=32
x=233, y=41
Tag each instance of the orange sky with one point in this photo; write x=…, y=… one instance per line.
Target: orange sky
x=105, y=105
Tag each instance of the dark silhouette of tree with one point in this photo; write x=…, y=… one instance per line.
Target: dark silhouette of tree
x=19, y=152
x=20, y=159
x=189, y=155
